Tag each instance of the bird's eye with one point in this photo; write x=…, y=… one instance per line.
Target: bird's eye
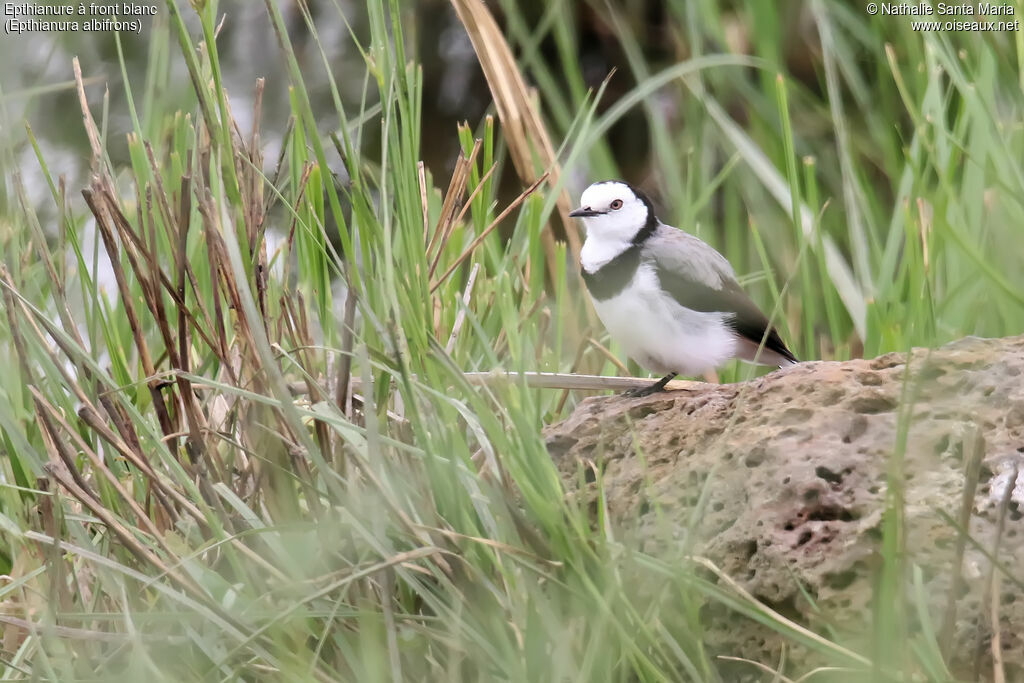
x=616, y=204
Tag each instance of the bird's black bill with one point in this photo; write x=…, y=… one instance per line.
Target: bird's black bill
x=584, y=213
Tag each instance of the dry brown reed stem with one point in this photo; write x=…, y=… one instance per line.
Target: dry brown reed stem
x=139, y=249
x=61, y=468
x=163, y=201
x=196, y=419
x=548, y=380
x=611, y=357
x=487, y=231
x=249, y=167
x=55, y=419
x=476, y=190
x=252, y=173
x=341, y=391
x=528, y=141
x=127, y=444
x=91, y=131
x=126, y=441
x=307, y=171
x=554, y=380
x=452, y=201
x=421, y=176
x=127, y=301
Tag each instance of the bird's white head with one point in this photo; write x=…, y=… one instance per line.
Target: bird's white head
x=613, y=211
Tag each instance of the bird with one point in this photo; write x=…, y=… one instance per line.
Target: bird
x=669, y=298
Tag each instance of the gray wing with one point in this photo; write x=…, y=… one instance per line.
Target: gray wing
x=701, y=279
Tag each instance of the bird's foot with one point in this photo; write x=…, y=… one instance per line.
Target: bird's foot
x=651, y=389
x=640, y=392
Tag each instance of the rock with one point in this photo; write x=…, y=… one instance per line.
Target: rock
x=793, y=470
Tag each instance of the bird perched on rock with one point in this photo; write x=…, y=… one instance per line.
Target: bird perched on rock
x=667, y=297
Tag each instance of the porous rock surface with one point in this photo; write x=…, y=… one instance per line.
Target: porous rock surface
x=795, y=468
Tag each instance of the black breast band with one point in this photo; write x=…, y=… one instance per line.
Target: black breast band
x=612, y=277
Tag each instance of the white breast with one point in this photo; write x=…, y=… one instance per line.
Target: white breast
x=597, y=252
x=661, y=335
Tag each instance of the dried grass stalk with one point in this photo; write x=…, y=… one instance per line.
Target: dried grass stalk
x=528, y=141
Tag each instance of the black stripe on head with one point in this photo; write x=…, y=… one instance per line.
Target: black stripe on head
x=652, y=219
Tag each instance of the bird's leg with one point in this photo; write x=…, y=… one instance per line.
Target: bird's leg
x=652, y=389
